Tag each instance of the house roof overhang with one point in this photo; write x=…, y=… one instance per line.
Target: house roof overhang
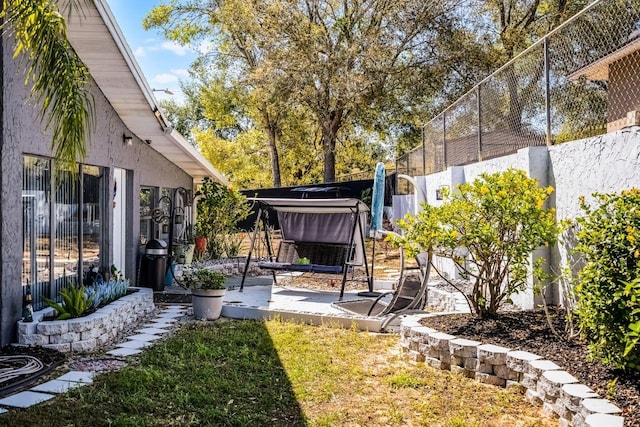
x=96, y=37
x=599, y=70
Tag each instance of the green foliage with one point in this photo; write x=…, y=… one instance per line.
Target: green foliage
x=58, y=77
x=489, y=229
x=608, y=291
x=220, y=209
x=75, y=302
x=104, y=293
x=204, y=278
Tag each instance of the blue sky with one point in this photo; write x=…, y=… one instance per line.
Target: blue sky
x=164, y=63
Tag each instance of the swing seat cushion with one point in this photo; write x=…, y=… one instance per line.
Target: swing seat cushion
x=323, y=257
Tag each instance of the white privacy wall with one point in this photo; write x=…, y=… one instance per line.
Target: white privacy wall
x=604, y=164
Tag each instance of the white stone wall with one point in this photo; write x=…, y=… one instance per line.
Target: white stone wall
x=604, y=164
x=88, y=333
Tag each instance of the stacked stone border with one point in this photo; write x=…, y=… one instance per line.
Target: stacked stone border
x=88, y=333
x=544, y=382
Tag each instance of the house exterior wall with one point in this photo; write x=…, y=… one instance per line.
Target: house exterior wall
x=624, y=90
x=22, y=133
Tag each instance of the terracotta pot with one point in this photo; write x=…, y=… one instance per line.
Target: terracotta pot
x=201, y=246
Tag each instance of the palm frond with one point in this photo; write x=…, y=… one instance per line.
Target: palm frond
x=59, y=80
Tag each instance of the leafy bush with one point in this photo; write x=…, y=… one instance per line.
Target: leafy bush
x=489, y=228
x=104, y=293
x=204, y=278
x=608, y=290
x=75, y=302
x=220, y=209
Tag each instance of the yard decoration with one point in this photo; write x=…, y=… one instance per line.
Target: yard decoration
x=207, y=291
x=489, y=229
x=608, y=290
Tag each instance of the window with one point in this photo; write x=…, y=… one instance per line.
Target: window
x=62, y=227
x=147, y=202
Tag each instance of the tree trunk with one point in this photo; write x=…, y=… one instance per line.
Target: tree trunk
x=271, y=129
x=330, y=126
x=275, y=159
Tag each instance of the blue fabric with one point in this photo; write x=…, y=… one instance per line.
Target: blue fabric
x=377, y=199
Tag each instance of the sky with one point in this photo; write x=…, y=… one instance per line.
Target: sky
x=164, y=63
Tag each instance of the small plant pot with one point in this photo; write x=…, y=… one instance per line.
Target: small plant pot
x=207, y=303
x=201, y=246
x=187, y=255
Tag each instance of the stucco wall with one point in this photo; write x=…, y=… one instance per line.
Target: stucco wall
x=603, y=164
x=22, y=133
x=607, y=163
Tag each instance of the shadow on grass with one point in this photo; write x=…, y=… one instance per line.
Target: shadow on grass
x=207, y=374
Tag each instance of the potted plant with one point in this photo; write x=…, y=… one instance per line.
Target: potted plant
x=207, y=291
x=200, y=241
x=183, y=248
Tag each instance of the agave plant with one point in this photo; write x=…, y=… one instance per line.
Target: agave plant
x=76, y=302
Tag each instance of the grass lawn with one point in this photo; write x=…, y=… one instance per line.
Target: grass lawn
x=248, y=373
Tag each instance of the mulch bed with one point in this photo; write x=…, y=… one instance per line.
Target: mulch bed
x=530, y=332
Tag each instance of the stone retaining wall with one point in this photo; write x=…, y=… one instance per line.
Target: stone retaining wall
x=91, y=332
x=545, y=382
x=439, y=300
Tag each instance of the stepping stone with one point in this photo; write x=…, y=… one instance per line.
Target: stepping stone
x=134, y=345
x=165, y=320
x=123, y=352
x=176, y=306
x=78, y=376
x=25, y=399
x=173, y=310
x=57, y=386
x=158, y=325
x=170, y=315
x=152, y=331
x=143, y=337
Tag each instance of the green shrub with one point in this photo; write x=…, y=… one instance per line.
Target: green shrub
x=488, y=228
x=220, y=209
x=608, y=289
x=75, y=302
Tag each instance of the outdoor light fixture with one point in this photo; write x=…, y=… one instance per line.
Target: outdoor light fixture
x=166, y=90
x=127, y=140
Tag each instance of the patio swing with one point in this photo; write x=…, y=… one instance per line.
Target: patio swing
x=319, y=236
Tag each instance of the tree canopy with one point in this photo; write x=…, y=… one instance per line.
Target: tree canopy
x=328, y=61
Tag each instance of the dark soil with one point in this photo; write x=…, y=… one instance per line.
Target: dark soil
x=170, y=298
x=529, y=331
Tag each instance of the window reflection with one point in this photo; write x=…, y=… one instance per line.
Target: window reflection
x=91, y=221
x=61, y=225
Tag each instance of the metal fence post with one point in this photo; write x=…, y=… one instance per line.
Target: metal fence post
x=424, y=152
x=479, y=123
x=547, y=89
x=444, y=140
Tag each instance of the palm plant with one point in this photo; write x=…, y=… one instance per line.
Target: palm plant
x=58, y=78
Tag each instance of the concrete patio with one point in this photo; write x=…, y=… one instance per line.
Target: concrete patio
x=262, y=299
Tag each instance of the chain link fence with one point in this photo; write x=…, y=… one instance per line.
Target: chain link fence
x=581, y=80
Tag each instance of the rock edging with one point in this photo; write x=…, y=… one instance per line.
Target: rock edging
x=87, y=333
x=545, y=383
